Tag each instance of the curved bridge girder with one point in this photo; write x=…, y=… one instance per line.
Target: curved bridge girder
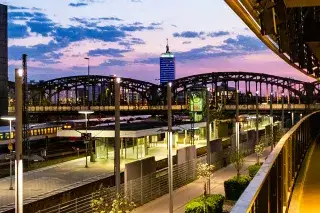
x=155, y=94
x=188, y=82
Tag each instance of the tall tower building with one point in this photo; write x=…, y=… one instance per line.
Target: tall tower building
x=3, y=60
x=167, y=66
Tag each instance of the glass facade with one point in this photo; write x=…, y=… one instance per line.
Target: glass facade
x=3, y=60
x=167, y=68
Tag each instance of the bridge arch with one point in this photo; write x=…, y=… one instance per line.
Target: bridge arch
x=99, y=88
x=240, y=79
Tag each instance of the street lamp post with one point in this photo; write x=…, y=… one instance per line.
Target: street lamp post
x=117, y=133
x=18, y=142
x=86, y=113
x=237, y=123
x=10, y=119
x=170, y=177
x=257, y=118
x=208, y=132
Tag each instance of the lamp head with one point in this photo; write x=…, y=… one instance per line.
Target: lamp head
x=19, y=72
x=86, y=112
x=8, y=118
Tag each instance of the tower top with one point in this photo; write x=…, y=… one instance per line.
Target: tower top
x=167, y=47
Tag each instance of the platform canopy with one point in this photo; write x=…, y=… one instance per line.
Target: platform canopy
x=290, y=28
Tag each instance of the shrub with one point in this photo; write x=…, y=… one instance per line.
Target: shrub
x=214, y=204
x=234, y=187
x=253, y=169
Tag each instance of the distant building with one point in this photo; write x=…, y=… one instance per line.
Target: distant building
x=167, y=66
x=3, y=60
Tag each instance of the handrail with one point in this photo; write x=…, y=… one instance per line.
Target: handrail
x=282, y=158
x=163, y=107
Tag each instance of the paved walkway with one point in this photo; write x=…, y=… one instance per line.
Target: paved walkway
x=311, y=189
x=184, y=194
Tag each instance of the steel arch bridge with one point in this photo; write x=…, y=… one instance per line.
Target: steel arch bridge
x=82, y=90
x=97, y=90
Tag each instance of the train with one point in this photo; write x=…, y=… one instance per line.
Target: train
x=43, y=129
x=34, y=130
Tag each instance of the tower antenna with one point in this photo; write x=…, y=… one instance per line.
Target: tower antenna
x=167, y=51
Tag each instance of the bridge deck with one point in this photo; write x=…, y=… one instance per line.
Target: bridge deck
x=311, y=189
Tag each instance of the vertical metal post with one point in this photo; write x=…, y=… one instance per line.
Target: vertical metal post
x=282, y=110
x=170, y=177
x=292, y=118
x=117, y=134
x=208, y=132
x=86, y=121
x=10, y=124
x=271, y=117
x=237, y=124
x=257, y=118
x=88, y=92
x=18, y=143
x=25, y=136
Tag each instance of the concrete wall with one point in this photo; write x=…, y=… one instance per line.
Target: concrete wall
x=3, y=60
x=139, y=189
x=223, y=130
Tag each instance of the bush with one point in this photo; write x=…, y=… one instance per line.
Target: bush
x=253, y=169
x=234, y=187
x=214, y=204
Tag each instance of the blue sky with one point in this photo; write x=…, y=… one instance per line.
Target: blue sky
x=126, y=38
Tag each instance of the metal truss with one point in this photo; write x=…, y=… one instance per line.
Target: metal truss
x=136, y=92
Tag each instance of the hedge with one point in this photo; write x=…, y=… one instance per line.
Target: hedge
x=214, y=204
x=253, y=169
x=234, y=187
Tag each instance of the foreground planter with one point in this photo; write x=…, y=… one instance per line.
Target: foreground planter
x=210, y=203
x=235, y=186
x=253, y=169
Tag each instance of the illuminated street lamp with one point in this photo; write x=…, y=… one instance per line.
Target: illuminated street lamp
x=170, y=177
x=117, y=133
x=208, y=132
x=18, y=142
x=86, y=113
x=10, y=119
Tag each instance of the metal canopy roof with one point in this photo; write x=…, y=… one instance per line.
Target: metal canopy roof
x=290, y=28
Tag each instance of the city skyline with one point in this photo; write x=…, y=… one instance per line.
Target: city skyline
x=120, y=39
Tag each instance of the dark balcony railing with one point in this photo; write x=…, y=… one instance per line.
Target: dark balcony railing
x=271, y=189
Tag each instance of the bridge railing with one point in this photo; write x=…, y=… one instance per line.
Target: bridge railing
x=164, y=107
x=271, y=189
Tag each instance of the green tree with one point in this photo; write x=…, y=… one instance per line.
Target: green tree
x=205, y=171
x=237, y=159
x=121, y=204
x=258, y=149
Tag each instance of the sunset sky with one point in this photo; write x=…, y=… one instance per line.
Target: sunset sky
x=126, y=38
